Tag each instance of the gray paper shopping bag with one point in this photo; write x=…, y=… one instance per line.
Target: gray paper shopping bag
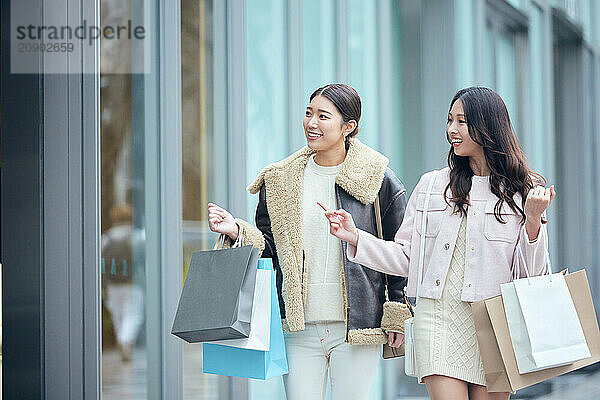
x=216, y=301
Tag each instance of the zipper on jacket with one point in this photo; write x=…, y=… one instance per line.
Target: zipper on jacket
x=303, y=262
x=345, y=281
x=302, y=286
x=347, y=318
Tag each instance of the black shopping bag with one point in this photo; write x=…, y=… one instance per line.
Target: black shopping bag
x=216, y=301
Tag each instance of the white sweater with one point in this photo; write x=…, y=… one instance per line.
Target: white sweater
x=323, y=251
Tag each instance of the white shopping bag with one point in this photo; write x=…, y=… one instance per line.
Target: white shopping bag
x=260, y=325
x=543, y=324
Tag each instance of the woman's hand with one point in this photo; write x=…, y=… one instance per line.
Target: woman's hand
x=341, y=224
x=395, y=339
x=538, y=200
x=221, y=221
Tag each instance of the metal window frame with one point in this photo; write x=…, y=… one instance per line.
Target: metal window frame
x=234, y=14
x=236, y=104
x=22, y=244
x=171, y=271
x=70, y=191
x=51, y=252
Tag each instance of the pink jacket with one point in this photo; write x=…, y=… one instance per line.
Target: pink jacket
x=491, y=246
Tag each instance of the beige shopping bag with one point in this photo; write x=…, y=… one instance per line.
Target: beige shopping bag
x=495, y=346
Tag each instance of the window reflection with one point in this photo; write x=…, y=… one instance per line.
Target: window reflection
x=124, y=366
x=201, y=149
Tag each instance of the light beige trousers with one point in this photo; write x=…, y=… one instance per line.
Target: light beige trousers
x=320, y=349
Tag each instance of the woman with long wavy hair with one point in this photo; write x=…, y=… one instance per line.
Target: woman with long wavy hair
x=482, y=206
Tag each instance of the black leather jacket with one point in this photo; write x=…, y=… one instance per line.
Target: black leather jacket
x=365, y=288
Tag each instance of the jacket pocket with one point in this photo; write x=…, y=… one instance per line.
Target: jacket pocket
x=435, y=213
x=494, y=229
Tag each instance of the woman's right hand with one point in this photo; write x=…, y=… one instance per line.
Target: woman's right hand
x=221, y=221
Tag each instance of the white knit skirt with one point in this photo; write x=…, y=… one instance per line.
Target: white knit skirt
x=445, y=339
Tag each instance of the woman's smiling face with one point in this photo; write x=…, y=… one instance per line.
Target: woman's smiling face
x=457, y=129
x=324, y=127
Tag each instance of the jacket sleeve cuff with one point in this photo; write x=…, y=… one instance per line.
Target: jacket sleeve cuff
x=540, y=232
x=534, y=253
x=357, y=254
x=539, y=240
x=394, y=315
x=250, y=235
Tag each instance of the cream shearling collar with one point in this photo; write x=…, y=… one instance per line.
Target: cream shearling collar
x=361, y=176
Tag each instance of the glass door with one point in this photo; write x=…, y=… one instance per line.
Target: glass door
x=130, y=263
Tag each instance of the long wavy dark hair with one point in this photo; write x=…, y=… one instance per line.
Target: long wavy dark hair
x=489, y=126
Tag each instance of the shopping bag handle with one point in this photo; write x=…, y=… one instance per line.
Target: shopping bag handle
x=221, y=241
x=521, y=258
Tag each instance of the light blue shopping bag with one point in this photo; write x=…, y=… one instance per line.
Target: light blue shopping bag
x=232, y=361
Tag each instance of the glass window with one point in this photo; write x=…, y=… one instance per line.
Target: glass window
x=318, y=45
x=363, y=65
x=502, y=68
x=595, y=25
x=506, y=73
x=586, y=17
x=489, y=70
x=267, y=128
x=464, y=35
x=204, y=156
x=267, y=115
x=535, y=138
x=125, y=226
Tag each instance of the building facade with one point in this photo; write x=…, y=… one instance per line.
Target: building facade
x=106, y=175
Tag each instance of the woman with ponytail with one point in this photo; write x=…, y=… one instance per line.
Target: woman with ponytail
x=332, y=308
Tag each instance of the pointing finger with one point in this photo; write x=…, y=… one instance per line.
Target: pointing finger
x=323, y=206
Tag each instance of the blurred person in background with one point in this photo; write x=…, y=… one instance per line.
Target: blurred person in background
x=123, y=298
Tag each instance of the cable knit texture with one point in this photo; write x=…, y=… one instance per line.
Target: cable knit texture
x=446, y=343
